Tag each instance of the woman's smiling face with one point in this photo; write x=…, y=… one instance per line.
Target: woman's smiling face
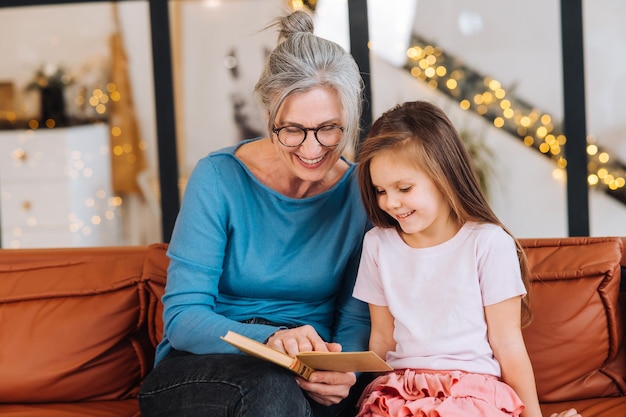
x=311, y=109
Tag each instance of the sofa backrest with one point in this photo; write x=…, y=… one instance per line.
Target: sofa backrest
x=72, y=325
x=575, y=340
x=82, y=324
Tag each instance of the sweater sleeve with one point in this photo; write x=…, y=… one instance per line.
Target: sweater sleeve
x=196, y=254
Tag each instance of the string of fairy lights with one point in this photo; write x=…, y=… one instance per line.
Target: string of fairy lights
x=487, y=97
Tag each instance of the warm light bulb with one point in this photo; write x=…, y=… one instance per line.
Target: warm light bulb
x=592, y=150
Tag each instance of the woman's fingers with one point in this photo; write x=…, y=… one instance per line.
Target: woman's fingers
x=296, y=340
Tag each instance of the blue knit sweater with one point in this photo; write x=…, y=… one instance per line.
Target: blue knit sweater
x=241, y=250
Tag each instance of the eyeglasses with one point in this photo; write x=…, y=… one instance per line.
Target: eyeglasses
x=294, y=136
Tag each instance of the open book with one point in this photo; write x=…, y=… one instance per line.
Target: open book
x=306, y=362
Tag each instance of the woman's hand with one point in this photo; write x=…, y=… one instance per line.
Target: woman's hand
x=300, y=339
x=324, y=387
x=328, y=388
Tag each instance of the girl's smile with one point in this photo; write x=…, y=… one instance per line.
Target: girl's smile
x=404, y=216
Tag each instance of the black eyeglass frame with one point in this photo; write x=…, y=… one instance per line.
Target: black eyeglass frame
x=305, y=130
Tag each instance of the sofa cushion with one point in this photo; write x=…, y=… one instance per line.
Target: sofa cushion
x=576, y=331
x=121, y=408
x=591, y=407
x=71, y=325
x=155, y=276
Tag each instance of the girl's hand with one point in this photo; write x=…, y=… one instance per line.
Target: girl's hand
x=300, y=339
x=569, y=413
x=328, y=388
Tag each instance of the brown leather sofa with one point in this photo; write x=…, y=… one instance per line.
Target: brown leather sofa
x=78, y=327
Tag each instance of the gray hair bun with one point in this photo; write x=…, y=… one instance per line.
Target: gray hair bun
x=296, y=22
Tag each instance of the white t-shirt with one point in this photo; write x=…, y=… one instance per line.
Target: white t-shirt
x=436, y=295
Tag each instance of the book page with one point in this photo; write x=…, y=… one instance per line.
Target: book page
x=367, y=361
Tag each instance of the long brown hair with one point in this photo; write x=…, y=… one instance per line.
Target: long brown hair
x=423, y=133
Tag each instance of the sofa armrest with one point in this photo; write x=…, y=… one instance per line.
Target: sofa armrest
x=155, y=277
x=576, y=333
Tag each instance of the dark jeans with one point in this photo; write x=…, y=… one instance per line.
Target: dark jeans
x=224, y=385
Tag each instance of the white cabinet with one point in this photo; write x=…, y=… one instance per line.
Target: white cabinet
x=55, y=188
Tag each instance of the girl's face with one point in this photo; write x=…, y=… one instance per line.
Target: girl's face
x=311, y=109
x=407, y=194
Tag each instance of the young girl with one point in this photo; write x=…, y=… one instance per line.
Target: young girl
x=445, y=281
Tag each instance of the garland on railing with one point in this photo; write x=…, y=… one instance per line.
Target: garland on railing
x=487, y=97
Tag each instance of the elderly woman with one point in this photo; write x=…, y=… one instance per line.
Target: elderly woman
x=267, y=244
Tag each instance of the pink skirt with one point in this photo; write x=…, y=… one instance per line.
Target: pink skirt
x=419, y=393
